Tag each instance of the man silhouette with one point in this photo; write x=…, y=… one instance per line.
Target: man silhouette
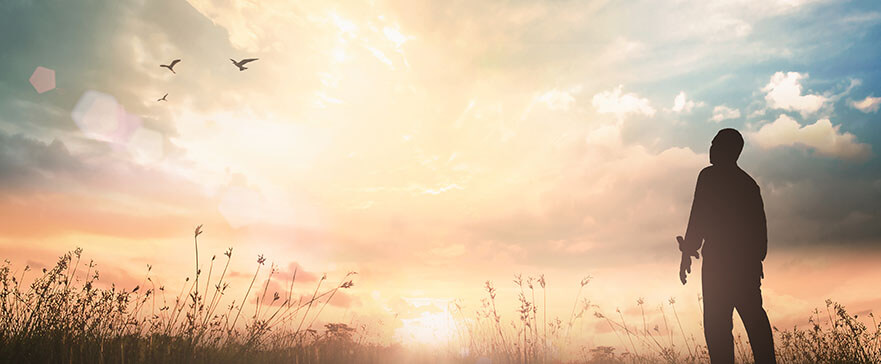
x=728, y=220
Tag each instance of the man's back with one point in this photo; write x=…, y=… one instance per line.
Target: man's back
x=729, y=215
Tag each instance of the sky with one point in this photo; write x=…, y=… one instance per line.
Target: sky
x=434, y=145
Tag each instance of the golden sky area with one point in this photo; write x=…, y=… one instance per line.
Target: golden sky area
x=431, y=146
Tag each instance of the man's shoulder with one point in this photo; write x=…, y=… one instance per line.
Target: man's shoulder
x=747, y=178
x=707, y=171
x=726, y=175
x=711, y=173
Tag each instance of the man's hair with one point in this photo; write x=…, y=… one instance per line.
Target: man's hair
x=729, y=143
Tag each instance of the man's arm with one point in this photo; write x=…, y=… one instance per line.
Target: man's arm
x=694, y=233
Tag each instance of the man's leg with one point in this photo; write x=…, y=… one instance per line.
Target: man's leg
x=718, y=312
x=755, y=320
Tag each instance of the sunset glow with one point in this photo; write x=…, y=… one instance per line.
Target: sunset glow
x=432, y=146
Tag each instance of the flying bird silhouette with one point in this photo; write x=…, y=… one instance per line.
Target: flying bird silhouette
x=163, y=98
x=241, y=64
x=170, y=66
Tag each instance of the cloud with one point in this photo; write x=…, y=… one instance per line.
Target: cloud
x=560, y=100
x=682, y=104
x=25, y=162
x=869, y=104
x=784, y=91
x=821, y=136
x=620, y=49
x=51, y=191
x=616, y=102
x=344, y=300
x=818, y=209
x=607, y=187
x=723, y=112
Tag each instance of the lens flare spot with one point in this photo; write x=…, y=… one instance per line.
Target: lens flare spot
x=43, y=79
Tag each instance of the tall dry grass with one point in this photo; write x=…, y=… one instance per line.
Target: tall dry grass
x=62, y=316
x=833, y=335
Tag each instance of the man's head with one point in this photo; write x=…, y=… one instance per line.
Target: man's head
x=726, y=147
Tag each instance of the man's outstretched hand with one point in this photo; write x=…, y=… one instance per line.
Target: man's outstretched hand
x=685, y=265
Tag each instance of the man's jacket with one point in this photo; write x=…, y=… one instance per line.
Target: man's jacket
x=728, y=220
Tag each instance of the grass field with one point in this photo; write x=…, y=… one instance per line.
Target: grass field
x=57, y=318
